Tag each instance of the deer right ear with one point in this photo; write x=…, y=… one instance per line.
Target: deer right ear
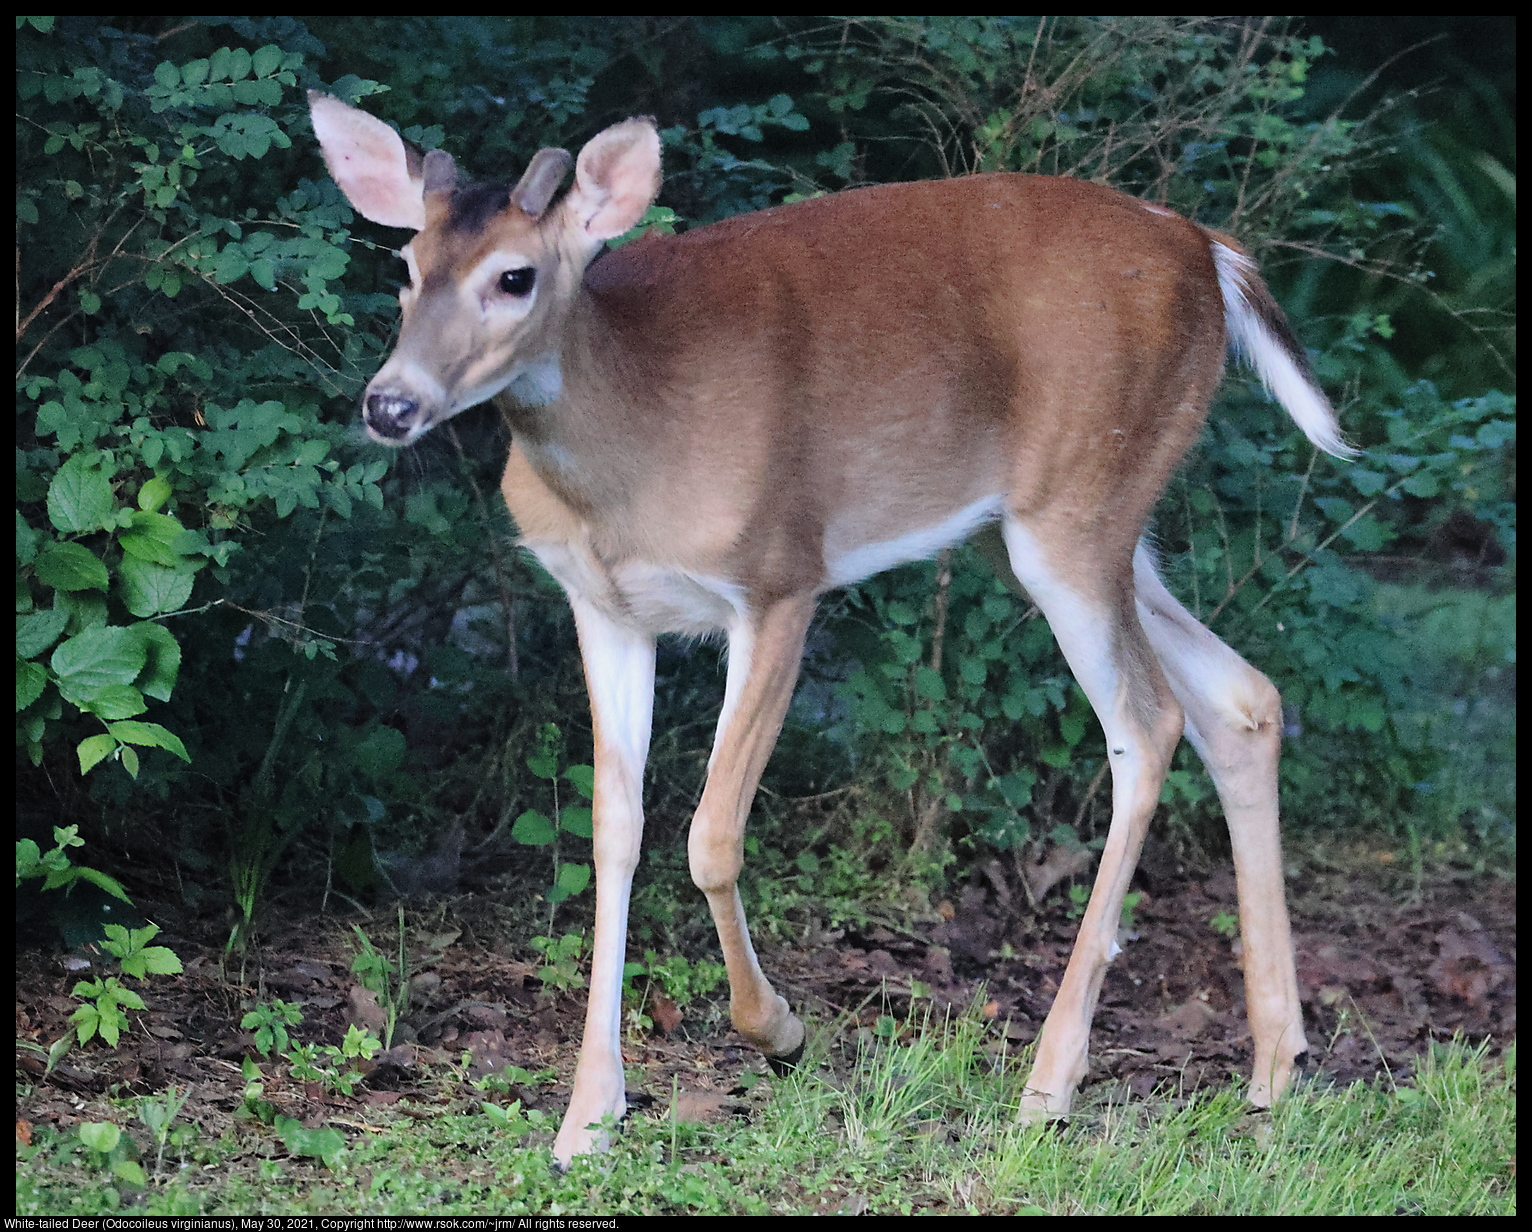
x=380, y=175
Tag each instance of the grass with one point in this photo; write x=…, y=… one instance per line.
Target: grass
x=919, y=1122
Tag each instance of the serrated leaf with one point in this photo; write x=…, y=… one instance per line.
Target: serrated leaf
x=92, y=749
x=80, y=497
x=148, y=589
x=31, y=680
x=151, y=537
x=26, y=541
x=99, y=879
x=160, y=960
x=116, y=701
x=100, y=656
x=37, y=632
x=151, y=735
x=162, y=664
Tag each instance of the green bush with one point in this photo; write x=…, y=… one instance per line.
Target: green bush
x=286, y=646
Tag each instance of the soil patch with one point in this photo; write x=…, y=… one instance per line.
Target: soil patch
x=1385, y=967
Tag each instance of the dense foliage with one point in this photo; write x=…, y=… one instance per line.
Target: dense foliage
x=247, y=632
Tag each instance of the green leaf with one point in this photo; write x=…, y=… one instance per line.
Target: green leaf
x=100, y=1136
x=533, y=829
x=573, y=878
x=100, y=656
x=130, y=1172
x=576, y=819
x=80, y=497
x=37, y=632
x=116, y=701
x=973, y=669
x=92, y=749
x=545, y=765
x=26, y=537
x=1334, y=507
x=150, y=537
x=584, y=780
x=150, y=734
x=153, y=494
x=930, y=685
x=69, y=566
x=381, y=752
x=99, y=879
x=159, y=960
x=162, y=663
x=325, y=1144
x=31, y=680
x=266, y=61
x=149, y=589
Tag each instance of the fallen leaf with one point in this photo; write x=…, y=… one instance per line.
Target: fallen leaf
x=1467, y=967
x=665, y=1012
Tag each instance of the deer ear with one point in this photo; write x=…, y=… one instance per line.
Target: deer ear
x=370, y=163
x=617, y=178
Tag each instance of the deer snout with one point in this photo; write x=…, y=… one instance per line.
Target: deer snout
x=392, y=417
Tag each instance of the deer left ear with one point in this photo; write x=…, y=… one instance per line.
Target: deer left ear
x=617, y=178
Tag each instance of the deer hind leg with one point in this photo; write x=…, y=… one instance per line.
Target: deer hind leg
x=764, y=655
x=1234, y=721
x=619, y=673
x=1110, y=657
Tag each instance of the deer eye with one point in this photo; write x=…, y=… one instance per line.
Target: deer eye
x=518, y=282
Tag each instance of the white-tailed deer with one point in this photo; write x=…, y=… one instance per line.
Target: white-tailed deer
x=711, y=430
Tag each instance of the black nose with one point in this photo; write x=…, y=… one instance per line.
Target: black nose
x=389, y=416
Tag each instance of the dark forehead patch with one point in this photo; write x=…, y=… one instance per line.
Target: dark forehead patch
x=473, y=208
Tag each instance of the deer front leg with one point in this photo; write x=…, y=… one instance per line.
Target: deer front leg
x=619, y=673
x=765, y=650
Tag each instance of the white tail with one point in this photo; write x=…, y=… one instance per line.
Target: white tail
x=713, y=429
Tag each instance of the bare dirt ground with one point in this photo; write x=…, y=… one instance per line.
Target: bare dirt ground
x=1385, y=967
